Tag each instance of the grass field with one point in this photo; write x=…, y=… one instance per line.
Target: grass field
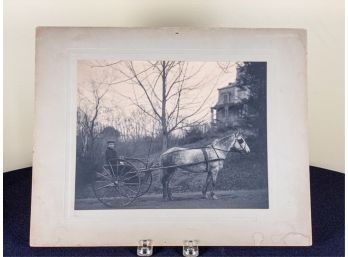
x=237, y=199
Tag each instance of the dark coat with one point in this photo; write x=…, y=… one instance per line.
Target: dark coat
x=110, y=154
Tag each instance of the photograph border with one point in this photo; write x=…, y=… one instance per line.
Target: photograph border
x=116, y=56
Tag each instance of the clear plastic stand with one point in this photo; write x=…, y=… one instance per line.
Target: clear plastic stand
x=145, y=248
x=190, y=248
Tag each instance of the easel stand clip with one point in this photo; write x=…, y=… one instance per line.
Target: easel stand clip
x=190, y=248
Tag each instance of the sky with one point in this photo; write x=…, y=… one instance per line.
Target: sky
x=124, y=95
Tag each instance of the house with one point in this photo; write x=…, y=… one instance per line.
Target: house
x=231, y=107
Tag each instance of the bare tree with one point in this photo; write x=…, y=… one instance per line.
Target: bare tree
x=90, y=106
x=227, y=67
x=164, y=91
x=164, y=84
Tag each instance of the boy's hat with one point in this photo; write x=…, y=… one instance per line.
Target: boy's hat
x=111, y=142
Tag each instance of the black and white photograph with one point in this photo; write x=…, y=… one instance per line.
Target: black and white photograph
x=200, y=132
x=171, y=134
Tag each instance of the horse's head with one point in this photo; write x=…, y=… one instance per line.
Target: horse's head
x=239, y=144
x=232, y=143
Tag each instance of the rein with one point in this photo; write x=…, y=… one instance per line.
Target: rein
x=215, y=149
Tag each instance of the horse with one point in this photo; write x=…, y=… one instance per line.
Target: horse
x=208, y=159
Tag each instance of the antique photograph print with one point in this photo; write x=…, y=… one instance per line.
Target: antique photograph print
x=165, y=134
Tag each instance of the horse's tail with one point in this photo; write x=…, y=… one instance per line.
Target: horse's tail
x=166, y=160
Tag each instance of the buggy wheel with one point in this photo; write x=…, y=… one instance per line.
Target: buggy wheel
x=117, y=185
x=144, y=174
x=146, y=182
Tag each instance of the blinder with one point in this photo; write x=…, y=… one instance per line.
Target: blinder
x=240, y=141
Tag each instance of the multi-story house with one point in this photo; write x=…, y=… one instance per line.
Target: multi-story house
x=231, y=108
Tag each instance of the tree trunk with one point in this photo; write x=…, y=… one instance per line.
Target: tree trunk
x=164, y=106
x=164, y=142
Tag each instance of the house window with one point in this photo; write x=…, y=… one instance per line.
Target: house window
x=243, y=111
x=235, y=92
x=225, y=98
x=222, y=113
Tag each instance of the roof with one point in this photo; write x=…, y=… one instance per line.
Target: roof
x=230, y=85
x=224, y=87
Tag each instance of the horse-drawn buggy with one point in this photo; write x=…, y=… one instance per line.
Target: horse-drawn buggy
x=122, y=181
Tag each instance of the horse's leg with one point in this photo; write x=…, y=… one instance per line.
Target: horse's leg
x=170, y=176
x=214, y=176
x=206, y=185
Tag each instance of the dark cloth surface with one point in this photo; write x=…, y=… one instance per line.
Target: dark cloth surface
x=327, y=194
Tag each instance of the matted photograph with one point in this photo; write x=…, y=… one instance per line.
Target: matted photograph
x=144, y=131
x=171, y=134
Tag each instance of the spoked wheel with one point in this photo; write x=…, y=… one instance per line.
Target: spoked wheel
x=118, y=184
x=146, y=181
x=144, y=174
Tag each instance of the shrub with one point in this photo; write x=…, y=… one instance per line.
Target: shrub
x=193, y=135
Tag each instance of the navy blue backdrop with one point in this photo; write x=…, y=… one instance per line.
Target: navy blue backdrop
x=327, y=193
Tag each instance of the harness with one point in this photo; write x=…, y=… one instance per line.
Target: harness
x=206, y=159
x=217, y=155
x=205, y=153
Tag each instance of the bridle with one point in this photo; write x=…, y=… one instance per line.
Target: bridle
x=232, y=147
x=240, y=142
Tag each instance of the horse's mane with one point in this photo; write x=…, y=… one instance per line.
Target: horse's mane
x=224, y=140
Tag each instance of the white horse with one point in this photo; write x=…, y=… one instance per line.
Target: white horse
x=208, y=159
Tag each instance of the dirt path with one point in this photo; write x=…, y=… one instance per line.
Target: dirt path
x=239, y=199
